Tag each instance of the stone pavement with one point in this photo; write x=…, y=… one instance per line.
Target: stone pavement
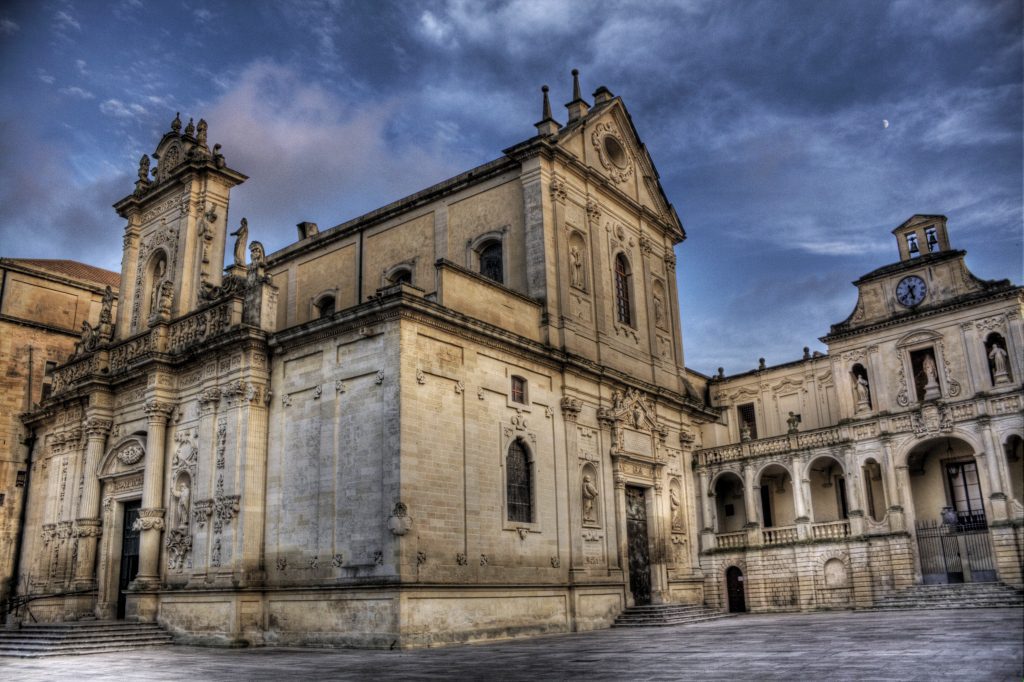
x=970, y=644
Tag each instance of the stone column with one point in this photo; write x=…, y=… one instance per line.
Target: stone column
x=751, y=502
x=88, y=526
x=707, y=516
x=999, y=476
x=854, y=498
x=659, y=574
x=799, y=504
x=620, y=523
x=151, y=515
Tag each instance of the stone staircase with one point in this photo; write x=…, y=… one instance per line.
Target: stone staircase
x=652, y=615
x=955, y=596
x=85, y=637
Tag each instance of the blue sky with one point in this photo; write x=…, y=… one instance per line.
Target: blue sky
x=763, y=118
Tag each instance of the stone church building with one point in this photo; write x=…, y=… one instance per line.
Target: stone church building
x=466, y=415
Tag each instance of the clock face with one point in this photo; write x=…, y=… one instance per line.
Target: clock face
x=911, y=291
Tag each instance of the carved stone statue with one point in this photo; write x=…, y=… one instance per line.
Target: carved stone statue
x=158, y=276
x=88, y=341
x=677, y=516
x=744, y=432
x=205, y=231
x=576, y=271
x=242, y=236
x=166, y=298
x=181, y=507
x=659, y=311
x=201, y=133
x=793, y=422
x=1000, y=370
x=144, y=168
x=257, y=255
x=931, y=386
x=861, y=387
x=590, y=494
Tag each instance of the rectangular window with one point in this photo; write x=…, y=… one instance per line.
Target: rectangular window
x=48, y=379
x=965, y=491
x=747, y=419
x=518, y=390
x=20, y=480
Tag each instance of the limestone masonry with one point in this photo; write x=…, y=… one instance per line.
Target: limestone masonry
x=466, y=415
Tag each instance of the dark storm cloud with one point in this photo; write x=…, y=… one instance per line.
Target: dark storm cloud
x=764, y=120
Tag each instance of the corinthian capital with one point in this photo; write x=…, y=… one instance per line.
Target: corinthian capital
x=158, y=410
x=97, y=428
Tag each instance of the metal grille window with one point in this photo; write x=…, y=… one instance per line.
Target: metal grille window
x=490, y=262
x=747, y=417
x=622, y=309
x=519, y=483
x=518, y=390
x=966, y=492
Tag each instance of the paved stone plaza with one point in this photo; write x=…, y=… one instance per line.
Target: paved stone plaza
x=978, y=644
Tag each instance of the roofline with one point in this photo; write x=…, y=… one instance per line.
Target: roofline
x=91, y=285
x=926, y=216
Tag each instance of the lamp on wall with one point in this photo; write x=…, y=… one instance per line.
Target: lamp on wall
x=949, y=448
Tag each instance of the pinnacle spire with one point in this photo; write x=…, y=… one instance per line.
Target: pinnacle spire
x=547, y=125
x=578, y=107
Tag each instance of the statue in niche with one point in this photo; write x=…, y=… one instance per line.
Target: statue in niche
x=677, y=515
x=930, y=371
x=862, y=392
x=181, y=505
x=659, y=311
x=242, y=236
x=590, y=494
x=638, y=416
x=158, y=276
x=793, y=422
x=744, y=432
x=1000, y=370
x=576, y=272
x=166, y=298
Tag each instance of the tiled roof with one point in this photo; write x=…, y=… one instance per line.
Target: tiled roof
x=72, y=269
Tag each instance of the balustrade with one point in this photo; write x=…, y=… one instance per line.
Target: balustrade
x=779, y=535
x=831, y=530
x=731, y=540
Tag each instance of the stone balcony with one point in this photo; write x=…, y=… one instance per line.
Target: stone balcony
x=783, y=535
x=931, y=418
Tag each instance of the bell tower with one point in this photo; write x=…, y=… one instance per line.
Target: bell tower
x=921, y=235
x=177, y=226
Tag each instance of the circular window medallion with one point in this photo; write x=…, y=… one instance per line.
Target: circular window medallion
x=612, y=152
x=616, y=154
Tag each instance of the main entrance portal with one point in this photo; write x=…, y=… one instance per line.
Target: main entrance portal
x=129, y=554
x=639, y=553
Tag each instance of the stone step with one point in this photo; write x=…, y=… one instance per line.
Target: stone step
x=54, y=639
x=956, y=596
x=655, y=615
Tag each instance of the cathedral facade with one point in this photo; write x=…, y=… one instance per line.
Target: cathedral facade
x=463, y=415
x=466, y=415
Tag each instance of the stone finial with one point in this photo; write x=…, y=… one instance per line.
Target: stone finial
x=578, y=108
x=547, y=125
x=721, y=372
x=760, y=363
x=807, y=353
x=307, y=229
x=190, y=129
x=176, y=123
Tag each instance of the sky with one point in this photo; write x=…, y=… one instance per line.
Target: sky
x=765, y=121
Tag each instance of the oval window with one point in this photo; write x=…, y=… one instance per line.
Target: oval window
x=616, y=154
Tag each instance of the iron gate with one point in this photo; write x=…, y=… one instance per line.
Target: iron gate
x=955, y=553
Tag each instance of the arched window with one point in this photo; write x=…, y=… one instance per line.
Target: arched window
x=401, y=275
x=623, y=312
x=490, y=261
x=325, y=306
x=518, y=389
x=519, y=483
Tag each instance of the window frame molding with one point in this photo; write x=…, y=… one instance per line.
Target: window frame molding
x=476, y=244
x=515, y=429
x=315, y=302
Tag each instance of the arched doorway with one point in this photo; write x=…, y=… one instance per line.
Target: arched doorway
x=948, y=491
x=734, y=580
x=730, y=508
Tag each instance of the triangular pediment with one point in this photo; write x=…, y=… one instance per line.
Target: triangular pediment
x=606, y=142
